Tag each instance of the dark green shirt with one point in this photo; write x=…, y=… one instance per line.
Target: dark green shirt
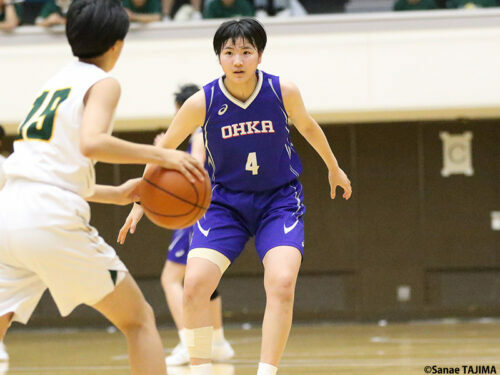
x=240, y=8
x=150, y=7
x=19, y=11
x=471, y=3
x=54, y=6
x=415, y=5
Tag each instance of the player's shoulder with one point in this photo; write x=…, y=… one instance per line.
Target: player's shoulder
x=196, y=101
x=108, y=87
x=288, y=88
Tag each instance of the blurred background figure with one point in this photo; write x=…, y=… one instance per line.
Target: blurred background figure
x=228, y=9
x=471, y=4
x=182, y=10
x=3, y=353
x=143, y=11
x=53, y=13
x=31, y=9
x=10, y=15
x=415, y=5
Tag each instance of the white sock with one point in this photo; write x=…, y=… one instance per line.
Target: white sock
x=204, y=369
x=181, y=337
x=218, y=336
x=266, y=369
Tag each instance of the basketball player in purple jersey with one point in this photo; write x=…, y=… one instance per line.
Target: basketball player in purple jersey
x=254, y=169
x=172, y=276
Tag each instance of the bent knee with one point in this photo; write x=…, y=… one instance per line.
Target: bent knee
x=281, y=287
x=142, y=318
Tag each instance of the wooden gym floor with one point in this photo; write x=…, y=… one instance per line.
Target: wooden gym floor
x=340, y=349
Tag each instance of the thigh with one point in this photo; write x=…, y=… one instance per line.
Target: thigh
x=73, y=261
x=221, y=230
x=282, y=224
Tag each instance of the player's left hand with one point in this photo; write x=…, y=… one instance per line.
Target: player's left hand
x=128, y=192
x=336, y=178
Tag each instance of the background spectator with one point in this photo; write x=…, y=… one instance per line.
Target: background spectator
x=228, y=9
x=144, y=11
x=182, y=10
x=53, y=13
x=324, y=6
x=471, y=4
x=31, y=10
x=415, y=5
x=10, y=15
x=3, y=352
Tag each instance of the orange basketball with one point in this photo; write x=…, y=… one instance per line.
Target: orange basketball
x=170, y=200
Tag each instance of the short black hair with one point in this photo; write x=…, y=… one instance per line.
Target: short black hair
x=185, y=92
x=2, y=132
x=94, y=26
x=246, y=28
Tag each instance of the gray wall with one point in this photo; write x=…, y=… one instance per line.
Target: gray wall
x=404, y=225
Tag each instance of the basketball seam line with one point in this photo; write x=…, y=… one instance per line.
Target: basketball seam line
x=175, y=195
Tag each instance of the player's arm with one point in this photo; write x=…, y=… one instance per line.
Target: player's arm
x=198, y=147
x=312, y=132
x=189, y=117
x=97, y=144
x=120, y=195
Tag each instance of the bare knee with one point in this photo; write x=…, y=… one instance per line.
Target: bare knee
x=196, y=290
x=281, y=287
x=142, y=319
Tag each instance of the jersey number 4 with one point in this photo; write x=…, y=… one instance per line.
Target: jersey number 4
x=42, y=127
x=252, y=165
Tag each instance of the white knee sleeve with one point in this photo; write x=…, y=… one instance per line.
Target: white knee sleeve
x=199, y=342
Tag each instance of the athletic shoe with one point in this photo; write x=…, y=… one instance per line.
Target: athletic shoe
x=179, y=356
x=222, y=351
x=4, y=356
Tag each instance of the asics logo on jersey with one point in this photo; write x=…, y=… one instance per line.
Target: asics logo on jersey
x=289, y=229
x=222, y=109
x=247, y=128
x=203, y=231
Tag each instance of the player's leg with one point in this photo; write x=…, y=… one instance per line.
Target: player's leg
x=202, y=277
x=172, y=282
x=127, y=309
x=280, y=243
x=281, y=267
x=172, y=279
x=221, y=349
x=4, y=324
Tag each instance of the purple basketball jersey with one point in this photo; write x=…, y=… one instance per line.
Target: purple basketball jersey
x=248, y=144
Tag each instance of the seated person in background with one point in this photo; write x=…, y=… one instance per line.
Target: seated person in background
x=53, y=13
x=264, y=8
x=471, y=4
x=143, y=11
x=10, y=15
x=182, y=10
x=31, y=10
x=415, y=5
x=228, y=9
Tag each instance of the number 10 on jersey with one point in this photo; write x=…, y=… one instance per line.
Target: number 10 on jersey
x=252, y=165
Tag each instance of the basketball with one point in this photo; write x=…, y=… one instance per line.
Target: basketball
x=170, y=200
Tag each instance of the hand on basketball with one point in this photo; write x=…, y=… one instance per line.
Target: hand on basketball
x=130, y=224
x=181, y=161
x=339, y=178
x=128, y=192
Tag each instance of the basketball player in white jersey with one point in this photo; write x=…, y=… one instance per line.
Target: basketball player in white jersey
x=45, y=237
x=2, y=182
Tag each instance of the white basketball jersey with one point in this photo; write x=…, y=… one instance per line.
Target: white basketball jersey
x=47, y=148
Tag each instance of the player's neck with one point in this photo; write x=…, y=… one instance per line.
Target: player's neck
x=241, y=91
x=101, y=62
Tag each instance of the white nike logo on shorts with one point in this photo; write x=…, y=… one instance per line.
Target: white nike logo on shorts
x=174, y=242
x=288, y=229
x=205, y=232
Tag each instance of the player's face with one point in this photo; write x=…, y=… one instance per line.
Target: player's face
x=239, y=60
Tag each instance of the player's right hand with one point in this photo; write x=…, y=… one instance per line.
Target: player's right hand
x=181, y=161
x=130, y=224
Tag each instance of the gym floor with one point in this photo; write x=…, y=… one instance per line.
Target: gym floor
x=313, y=349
